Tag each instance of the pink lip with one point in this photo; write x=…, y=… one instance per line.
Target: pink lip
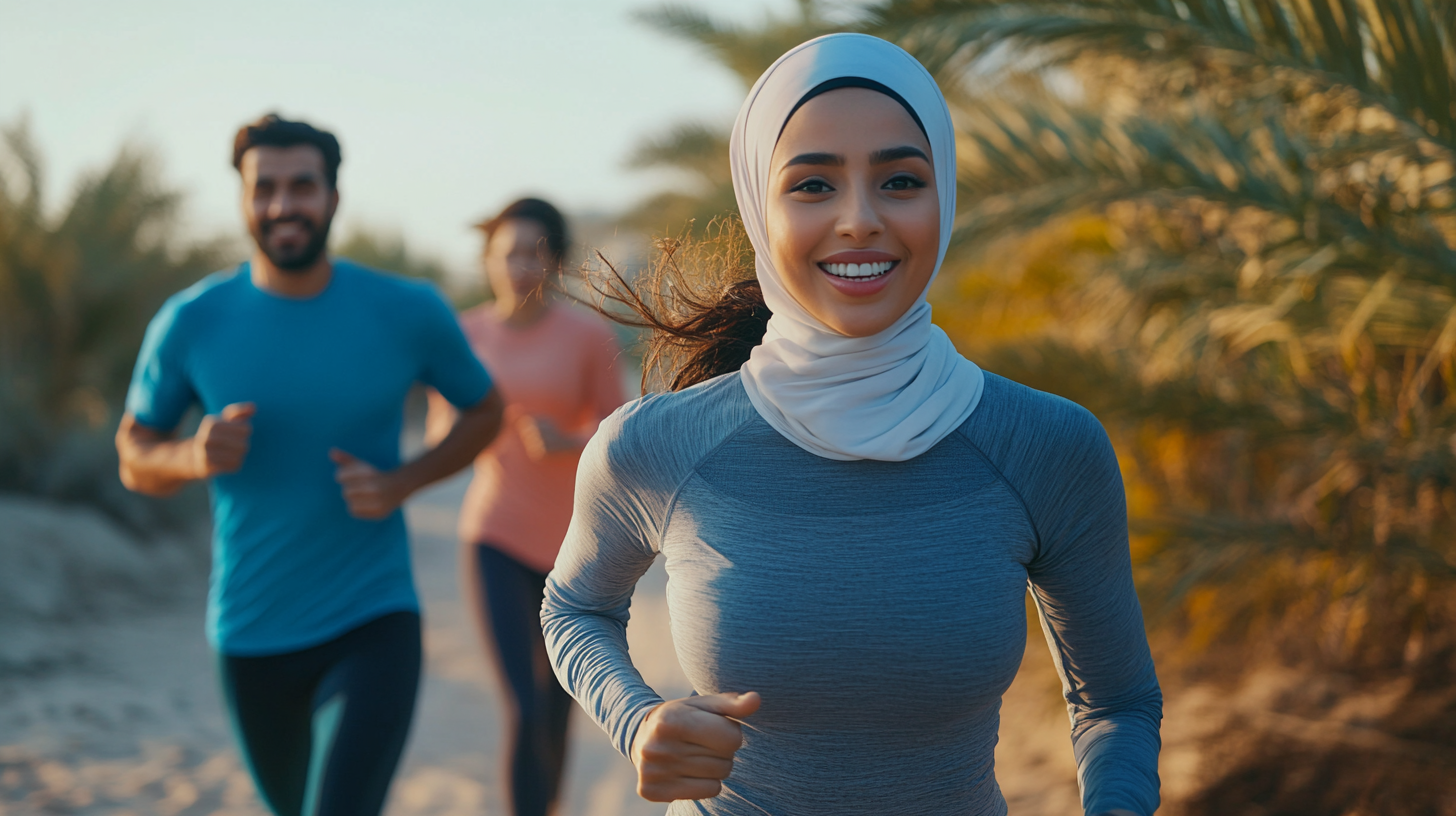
x=859, y=256
x=860, y=288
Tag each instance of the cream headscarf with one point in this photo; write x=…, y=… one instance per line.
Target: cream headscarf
x=890, y=396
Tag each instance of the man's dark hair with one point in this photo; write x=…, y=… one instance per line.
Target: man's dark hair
x=274, y=131
x=534, y=209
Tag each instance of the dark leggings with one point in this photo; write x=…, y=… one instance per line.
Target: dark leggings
x=322, y=729
x=508, y=601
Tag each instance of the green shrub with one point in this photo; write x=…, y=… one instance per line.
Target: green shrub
x=78, y=284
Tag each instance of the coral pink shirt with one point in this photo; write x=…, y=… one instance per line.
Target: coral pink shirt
x=564, y=367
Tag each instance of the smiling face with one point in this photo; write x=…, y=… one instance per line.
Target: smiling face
x=853, y=216
x=288, y=203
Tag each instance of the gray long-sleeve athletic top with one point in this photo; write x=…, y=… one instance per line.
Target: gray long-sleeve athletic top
x=877, y=607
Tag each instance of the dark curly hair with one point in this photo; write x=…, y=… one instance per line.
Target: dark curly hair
x=699, y=301
x=273, y=130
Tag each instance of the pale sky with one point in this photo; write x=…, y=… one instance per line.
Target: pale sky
x=446, y=109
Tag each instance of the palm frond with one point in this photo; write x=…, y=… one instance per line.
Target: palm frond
x=1406, y=42
x=693, y=147
x=77, y=288
x=699, y=150
x=745, y=51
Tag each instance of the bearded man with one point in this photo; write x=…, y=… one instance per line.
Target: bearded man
x=301, y=364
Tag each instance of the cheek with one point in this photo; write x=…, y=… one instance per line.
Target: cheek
x=918, y=230
x=923, y=229
x=496, y=271
x=320, y=207
x=792, y=237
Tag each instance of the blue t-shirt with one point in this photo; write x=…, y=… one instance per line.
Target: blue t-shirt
x=291, y=567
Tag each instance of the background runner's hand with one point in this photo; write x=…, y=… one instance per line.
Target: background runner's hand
x=685, y=747
x=368, y=491
x=542, y=438
x=222, y=439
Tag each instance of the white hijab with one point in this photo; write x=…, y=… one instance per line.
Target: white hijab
x=890, y=396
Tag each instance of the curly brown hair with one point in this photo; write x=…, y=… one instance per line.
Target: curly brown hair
x=699, y=300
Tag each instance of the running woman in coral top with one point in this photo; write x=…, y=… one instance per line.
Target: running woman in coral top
x=557, y=365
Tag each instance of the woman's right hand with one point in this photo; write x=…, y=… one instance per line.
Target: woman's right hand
x=684, y=749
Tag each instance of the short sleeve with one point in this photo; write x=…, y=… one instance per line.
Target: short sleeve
x=161, y=390
x=447, y=363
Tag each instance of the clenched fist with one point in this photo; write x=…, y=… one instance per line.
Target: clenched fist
x=684, y=749
x=222, y=439
x=369, y=492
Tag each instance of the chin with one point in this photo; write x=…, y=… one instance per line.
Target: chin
x=864, y=319
x=860, y=327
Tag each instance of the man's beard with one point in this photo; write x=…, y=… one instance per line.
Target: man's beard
x=294, y=260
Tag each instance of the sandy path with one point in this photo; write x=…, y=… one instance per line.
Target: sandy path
x=128, y=719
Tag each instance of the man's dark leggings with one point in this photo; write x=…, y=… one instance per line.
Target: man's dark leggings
x=509, y=598
x=322, y=729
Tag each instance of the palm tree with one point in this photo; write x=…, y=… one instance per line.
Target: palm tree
x=698, y=151
x=77, y=288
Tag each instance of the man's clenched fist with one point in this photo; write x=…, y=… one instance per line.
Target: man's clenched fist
x=221, y=441
x=369, y=491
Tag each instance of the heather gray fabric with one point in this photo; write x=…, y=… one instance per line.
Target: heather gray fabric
x=878, y=607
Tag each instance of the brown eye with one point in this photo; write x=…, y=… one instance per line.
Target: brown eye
x=902, y=183
x=812, y=187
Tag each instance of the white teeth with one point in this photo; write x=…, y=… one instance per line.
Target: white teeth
x=868, y=270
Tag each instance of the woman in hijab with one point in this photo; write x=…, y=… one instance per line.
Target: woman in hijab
x=851, y=515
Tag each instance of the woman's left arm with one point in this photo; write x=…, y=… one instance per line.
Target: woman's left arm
x=1081, y=580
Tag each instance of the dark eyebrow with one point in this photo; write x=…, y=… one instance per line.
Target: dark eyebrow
x=816, y=158
x=893, y=154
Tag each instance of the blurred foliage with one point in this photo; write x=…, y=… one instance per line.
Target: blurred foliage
x=1227, y=229
x=388, y=250
x=78, y=284
x=698, y=151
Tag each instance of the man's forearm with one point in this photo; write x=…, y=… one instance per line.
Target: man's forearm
x=151, y=463
x=475, y=428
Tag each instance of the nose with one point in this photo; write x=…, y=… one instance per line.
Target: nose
x=281, y=204
x=859, y=219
